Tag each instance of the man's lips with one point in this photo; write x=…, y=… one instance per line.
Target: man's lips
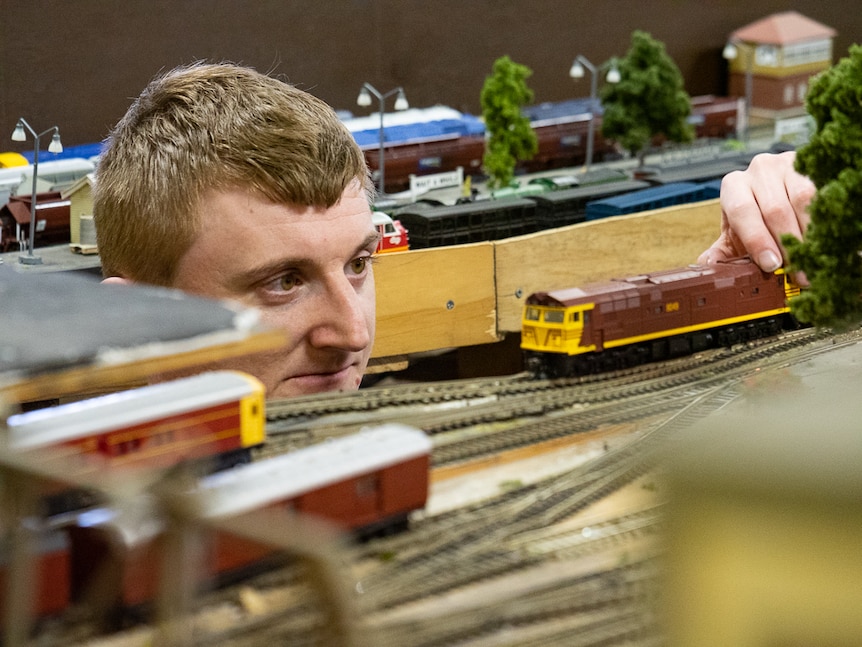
x=326, y=372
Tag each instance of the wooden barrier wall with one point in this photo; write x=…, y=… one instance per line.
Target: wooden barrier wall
x=467, y=295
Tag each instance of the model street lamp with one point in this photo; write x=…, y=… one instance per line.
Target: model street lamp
x=730, y=53
x=364, y=100
x=18, y=135
x=577, y=72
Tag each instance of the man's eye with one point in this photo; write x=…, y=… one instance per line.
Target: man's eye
x=288, y=282
x=358, y=265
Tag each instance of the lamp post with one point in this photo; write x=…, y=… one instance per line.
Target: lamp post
x=364, y=100
x=577, y=72
x=730, y=53
x=18, y=135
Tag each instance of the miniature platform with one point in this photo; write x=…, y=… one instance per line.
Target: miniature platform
x=55, y=258
x=67, y=334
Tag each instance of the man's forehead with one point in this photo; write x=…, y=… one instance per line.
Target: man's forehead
x=244, y=234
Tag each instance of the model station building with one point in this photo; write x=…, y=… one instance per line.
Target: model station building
x=773, y=59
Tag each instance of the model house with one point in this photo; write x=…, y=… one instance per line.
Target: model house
x=773, y=59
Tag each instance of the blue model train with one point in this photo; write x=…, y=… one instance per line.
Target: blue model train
x=656, y=197
x=83, y=151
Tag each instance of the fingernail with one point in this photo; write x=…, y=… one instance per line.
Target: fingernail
x=768, y=261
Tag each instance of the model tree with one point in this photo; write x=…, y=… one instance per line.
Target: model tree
x=649, y=99
x=829, y=255
x=508, y=134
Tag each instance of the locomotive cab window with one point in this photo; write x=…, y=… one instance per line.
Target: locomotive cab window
x=555, y=316
x=532, y=314
x=576, y=316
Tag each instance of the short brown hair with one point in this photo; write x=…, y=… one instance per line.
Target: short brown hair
x=207, y=127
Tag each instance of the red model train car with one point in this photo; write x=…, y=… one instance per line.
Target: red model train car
x=393, y=235
x=443, y=139
x=717, y=117
x=367, y=482
x=51, y=574
x=216, y=416
x=652, y=316
x=219, y=414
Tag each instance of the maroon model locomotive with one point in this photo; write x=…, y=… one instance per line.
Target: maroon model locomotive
x=624, y=322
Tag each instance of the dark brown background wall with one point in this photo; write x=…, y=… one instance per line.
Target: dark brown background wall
x=78, y=63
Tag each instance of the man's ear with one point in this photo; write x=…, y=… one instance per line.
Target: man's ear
x=117, y=280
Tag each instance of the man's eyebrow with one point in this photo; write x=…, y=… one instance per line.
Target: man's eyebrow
x=371, y=240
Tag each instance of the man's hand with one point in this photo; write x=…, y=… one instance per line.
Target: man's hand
x=758, y=206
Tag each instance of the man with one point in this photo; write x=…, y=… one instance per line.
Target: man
x=230, y=184
x=758, y=205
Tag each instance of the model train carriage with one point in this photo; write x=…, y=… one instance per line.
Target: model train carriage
x=218, y=414
x=50, y=575
x=357, y=481
x=652, y=316
x=657, y=197
x=469, y=222
x=569, y=206
x=366, y=482
x=393, y=235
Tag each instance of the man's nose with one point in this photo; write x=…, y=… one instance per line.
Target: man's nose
x=341, y=318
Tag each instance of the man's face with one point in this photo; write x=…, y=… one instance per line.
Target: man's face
x=307, y=270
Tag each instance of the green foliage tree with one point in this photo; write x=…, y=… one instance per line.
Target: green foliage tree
x=509, y=136
x=830, y=252
x=649, y=99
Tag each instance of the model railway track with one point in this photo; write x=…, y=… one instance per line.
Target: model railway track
x=476, y=540
x=607, y=601
x=565, y=424
x=575, y=402
x=374, y=398
x=576, y=541
x=288, y=414
x=486, y=549
x=587, y=608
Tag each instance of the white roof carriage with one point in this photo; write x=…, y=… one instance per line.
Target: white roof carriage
x=254, y=485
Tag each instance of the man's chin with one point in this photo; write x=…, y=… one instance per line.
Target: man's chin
x=347, y=379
